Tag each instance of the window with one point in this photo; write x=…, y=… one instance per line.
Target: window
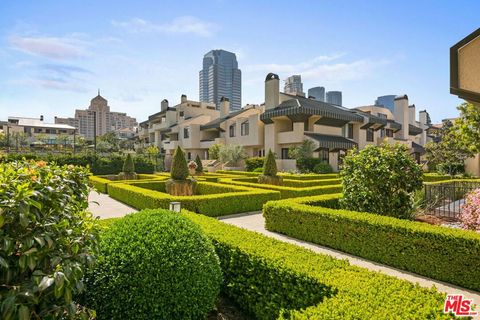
x=323, y=154
x=370, y=134
x=186, y=133
x=182, y=113
x=350, y=131
x=382, y=115
x=189, y=156
x=285, y=153
x=382, y=133
x=389, y=133
x=231, y=130
x=244, y=128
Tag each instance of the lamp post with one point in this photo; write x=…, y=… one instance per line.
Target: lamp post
x=175, y=206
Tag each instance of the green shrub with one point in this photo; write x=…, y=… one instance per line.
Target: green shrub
x=155, y=265
x=381, y=179
x=128, y=165
x=268, y=277
x=179, y=169
x=47, y=239
x=451, y=168
x=270, y=166
x=100, y=183
x=307, y=165
x=252, y=164
x=212, y=199
x=446, y=253
x=259, y=170
x=199, y=168
x=323, y=167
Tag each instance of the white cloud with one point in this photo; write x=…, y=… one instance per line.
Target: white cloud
x=180, y=25
x=49, y=47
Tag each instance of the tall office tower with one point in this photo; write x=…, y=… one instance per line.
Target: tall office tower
x=386, y=101
x=317, y=92
x=294, y=85
x=334, y=97
x=220, y=77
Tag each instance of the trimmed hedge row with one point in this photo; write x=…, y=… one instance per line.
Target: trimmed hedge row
x=273, y=279
x=100, y=183
x=295, y=183
x=440, y=253
x=214, y=199
x=287, y=192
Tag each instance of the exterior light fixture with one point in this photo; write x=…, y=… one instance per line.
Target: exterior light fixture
x=175, y=206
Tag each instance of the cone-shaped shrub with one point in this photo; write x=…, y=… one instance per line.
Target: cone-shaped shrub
x=128, y=165
x=199, y=164
x=270, y=166
x=179, y=169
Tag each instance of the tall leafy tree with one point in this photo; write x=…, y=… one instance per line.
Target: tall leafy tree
x=467, y=127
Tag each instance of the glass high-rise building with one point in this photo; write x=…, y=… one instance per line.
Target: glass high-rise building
x=220, y=77
x=334, y=97
x=318, y=93
x=386, y=101
x=294, y=85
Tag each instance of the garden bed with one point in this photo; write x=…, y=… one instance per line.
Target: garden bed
x=441, y=253
x=212, y=199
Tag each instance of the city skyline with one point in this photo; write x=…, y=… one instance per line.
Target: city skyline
x=52, y=66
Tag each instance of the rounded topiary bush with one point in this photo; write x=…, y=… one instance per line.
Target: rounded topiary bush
x=154, y=265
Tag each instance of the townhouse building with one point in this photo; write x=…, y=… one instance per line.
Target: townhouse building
x=281, y=122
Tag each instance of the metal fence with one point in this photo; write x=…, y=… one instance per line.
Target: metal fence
x=446, y=199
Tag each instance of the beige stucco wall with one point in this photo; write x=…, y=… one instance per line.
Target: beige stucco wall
x=469, y=66
x=472, y=166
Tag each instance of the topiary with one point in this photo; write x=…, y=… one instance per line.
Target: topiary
x=179, y=169
x=128, y=172
x=270, y=171
x=155, y=265
x=199, y=168
x=381, y=179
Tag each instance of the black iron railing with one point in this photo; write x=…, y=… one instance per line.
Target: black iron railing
x=446, y=199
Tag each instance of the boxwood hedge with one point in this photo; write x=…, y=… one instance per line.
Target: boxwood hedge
x=214, y=199
x=440, y=253
x=100, y=183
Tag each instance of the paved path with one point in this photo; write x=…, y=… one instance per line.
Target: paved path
x=101, y=205
x=255, y=222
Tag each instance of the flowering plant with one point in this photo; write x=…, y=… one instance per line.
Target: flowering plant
x=192, y=165
x=470, y=211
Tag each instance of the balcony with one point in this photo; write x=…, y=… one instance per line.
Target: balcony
x=290, y=137
x=170, y=145
x=205, y=144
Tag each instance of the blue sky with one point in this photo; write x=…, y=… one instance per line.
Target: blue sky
x=55, y=54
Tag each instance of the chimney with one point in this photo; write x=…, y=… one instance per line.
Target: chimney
x=412, y=114
x=272, y=91
x=41, y=117
x=401, y=114
x=224, y=106
x=183, y=99
x=164, y=105
x=423, y=117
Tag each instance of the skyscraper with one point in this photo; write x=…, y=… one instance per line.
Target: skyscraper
x=334, y=97
x=386, y=101
x=220, y=77
x=294, y=85
x=317, y=92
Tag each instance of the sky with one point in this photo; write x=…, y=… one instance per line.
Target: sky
x=55, y=55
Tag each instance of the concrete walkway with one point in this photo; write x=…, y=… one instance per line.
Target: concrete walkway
x=255, y=222
x=101, y=205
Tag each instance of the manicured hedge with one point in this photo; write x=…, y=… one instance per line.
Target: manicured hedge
x=214, y=199
x=295, y=183
x=432, y=177
x=265, y=276
x=288, y=192
x=100, y=183
x=440, y=253
x=239, y=173
x=309, y=176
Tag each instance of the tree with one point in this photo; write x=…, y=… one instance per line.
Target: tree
x=270, y=166
x=104, y=146
x=381, y=179
x=213, y=151
x=111, y=138
x=467, y=127
x=232, y=154
x=179, y=169
x=128, y=172
x=449, y=154
x=199, y=168
x=305, y=150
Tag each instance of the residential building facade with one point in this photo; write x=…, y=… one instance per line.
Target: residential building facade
x=98, y=119
x=282, y=122
x=220, y=77
x=294, y=85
